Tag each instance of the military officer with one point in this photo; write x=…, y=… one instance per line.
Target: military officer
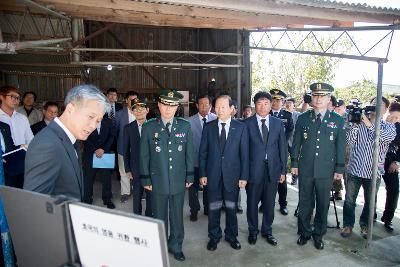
x=166, y=166
x=318, y=155
x=285, y=116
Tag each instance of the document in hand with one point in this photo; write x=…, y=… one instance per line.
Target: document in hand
x=107, y=161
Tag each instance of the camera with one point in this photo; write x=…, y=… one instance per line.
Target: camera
x=355, y=112
x=307, y=98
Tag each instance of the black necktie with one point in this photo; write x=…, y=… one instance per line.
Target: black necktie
x=222, y=137
x=275, y=114
x=167, y=128
x=112, y=114
x=264, y=130
x=204, y=121
x=318, y=120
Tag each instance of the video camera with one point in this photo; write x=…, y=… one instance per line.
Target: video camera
x=307, y=98
x=355, y=111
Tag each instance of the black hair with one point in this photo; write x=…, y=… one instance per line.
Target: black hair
x=131, y=93
x=333, y=100
x=49, y=104
x=203, y=96
x=394, y=106
x=30, y=93
x=260, y=95
x=111, y=90
x=384, y=100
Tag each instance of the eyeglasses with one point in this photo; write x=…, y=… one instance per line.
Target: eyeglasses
x=14, y=97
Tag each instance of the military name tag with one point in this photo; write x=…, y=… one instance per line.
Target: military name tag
x=180, y=148
x=158, y=149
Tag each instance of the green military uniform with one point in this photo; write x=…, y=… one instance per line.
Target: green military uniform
x=318, y=152
x=167, y=164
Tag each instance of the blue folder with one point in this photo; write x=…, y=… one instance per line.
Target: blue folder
x=107, y=161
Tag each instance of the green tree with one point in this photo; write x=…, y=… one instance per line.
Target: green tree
x=364, y=90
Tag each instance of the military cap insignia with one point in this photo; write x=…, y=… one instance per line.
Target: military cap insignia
x=171, y=94
x=319, y=86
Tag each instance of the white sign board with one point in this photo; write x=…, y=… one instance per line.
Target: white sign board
x=114, y=239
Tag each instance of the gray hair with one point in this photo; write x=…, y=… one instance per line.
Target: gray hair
x=84, y=92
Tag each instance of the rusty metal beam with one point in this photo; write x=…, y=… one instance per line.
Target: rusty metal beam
x=94, y=34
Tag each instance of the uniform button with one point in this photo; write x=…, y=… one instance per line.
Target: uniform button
x=170, y=159
x=169, y=142
x=170, y=167
x=169, y=151
x=317, y=146
x=318, y=139
x=316, y=154
x=319, y=132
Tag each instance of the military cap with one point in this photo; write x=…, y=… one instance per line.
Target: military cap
x=340, y=103
x=139, y=103
x=277, y=94
x=170, y=97
x=321, y=89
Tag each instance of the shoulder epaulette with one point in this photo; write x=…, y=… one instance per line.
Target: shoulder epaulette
x=151, y=120
x=182, y=119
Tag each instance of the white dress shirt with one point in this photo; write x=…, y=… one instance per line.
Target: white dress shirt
x=131, y=117
x=69, y=134
x=3, y=144
x=227, y=125
x=21, y=132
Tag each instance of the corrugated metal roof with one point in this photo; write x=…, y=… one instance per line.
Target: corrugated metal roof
x=345, y=6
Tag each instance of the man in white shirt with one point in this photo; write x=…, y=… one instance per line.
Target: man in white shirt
x=19, y=125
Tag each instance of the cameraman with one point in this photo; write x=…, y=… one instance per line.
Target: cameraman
x=392, y=165
x=360, y=137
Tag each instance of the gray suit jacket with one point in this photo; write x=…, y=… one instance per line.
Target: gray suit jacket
x=51, y=164
x=197, y=129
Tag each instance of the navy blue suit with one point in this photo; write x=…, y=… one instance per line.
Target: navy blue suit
x=264, y=174
x=132, y=164
x=223, y=170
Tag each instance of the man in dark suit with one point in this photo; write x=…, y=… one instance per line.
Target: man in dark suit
x=268, y=159
x=52, y=165
x=124, y=117
x=223, y=166
x=97, y=144
x=132, y=133
x=112, y=96
x=197, y=123
x=50, y=111
x=278, y=97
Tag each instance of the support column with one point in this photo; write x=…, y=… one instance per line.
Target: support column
x=375, y=154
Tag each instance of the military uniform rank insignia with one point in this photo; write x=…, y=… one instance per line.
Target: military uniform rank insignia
x=180, y=148
x=305, y=135
x=158, y=149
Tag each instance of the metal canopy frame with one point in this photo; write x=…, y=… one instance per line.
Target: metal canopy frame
x=324, y=52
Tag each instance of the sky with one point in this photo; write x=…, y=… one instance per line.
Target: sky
x=355, y=70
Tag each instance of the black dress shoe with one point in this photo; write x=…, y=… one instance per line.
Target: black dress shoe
x=239, y=210
x=206, y=212
x=193, y=217
x=212, y=245
x=252, y=239
x=318, y=244
x=234, y=243
x=389, y=226
x=109, y=204
x=271, y=239
x=179, y=256
x=284, y=211
x=302, y=240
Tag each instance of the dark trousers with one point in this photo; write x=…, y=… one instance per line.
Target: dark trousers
x=138, y=191
x=194, y=203
x=267, y=193
x=14, y=180
x=89, y=174
x=172, y=204
x=215, y=199
x=313, y=193
x=392, y=195
x=282, y=191
x=353, y=185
